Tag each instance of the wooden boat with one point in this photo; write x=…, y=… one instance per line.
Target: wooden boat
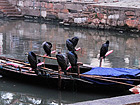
x=50, y=74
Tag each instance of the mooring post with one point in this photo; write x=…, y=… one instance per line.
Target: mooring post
x=78, y=70
x=44, y=61
x=20, y=69
x=78, y=64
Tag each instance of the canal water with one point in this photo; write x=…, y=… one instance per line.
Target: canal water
x=19, y=37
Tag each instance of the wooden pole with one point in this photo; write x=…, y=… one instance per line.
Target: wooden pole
x=78, y=64
x=29, y=65
x=101, y=61
x=44, y=61
x=18, y=62
x=99, y=78
x=20, y=69
x=59, y=97
x=46, y=56
x=59, y=77
x=78, y=71
x=114, y=78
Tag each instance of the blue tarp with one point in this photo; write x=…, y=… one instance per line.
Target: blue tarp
x=111, y=72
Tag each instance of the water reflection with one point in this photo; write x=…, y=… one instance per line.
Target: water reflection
x=9, y=98
x=19, y=93
x=19, y=37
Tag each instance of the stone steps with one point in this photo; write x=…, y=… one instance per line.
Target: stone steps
x=8, y=9
x=12, y=13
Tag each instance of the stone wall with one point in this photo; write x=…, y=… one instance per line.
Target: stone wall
x=83, y=14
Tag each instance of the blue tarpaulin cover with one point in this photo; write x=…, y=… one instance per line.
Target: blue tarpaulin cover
x=111, y=72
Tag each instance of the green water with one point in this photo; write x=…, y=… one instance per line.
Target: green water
x=20, y=37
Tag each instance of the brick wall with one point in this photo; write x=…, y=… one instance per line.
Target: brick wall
x=83, y=14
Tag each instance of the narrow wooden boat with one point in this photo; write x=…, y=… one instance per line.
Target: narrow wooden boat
x=50, y=74
x=47, y=75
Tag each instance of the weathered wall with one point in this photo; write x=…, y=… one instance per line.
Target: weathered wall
x=83, y=14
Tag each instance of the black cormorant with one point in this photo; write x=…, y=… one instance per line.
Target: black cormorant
x=47, y=48
x=62, y=61
x=71, y=43
x=104, y=49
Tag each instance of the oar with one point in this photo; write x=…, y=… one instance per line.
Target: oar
x=29, y=64
x=99, y=78
x=16, y=66
x=29, y=68
x=18, y=62
x=116, y=78
x=103, y=79
x=122, y=83
x=44, y=56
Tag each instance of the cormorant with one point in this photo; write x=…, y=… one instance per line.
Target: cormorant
x=75, y=41
x=71, y=43
x=104, y=49
x=72, y=57
x=47, y=48
x=32, y=59
x=62, y=61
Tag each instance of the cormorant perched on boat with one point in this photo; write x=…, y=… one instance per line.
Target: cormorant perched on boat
x=62, y=61
x=104, y=49
x=72, y=56
x=71, y=43
x=32, y=60
x=47, y=48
